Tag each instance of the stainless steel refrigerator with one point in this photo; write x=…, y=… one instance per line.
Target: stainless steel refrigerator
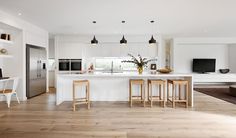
x=36, y=73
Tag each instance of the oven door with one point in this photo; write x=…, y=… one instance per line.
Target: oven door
x=76, y=64
x=64, y=64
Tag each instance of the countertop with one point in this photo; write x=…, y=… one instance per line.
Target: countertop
x=125, y=74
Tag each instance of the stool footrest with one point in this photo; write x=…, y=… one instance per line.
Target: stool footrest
x=82, y=102
x=80, y=99
x=177, y=100
x=153, y=99
x=137, y=99
x=136, y=96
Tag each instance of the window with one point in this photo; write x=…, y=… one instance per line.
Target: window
x=105, y=63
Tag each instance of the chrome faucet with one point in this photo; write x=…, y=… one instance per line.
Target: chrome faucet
x=112, y=67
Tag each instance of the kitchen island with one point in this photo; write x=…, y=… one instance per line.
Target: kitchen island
x=111, y=86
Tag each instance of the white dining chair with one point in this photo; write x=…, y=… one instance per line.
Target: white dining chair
x=8, y=91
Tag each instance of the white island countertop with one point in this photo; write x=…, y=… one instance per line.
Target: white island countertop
x=111, y=86
x=125, y=74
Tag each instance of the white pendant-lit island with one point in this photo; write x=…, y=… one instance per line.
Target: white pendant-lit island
x=111, y=86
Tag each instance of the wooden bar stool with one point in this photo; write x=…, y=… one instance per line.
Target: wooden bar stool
x=84, y=100
x=177, y=98
x=158, y=98
x=140, y=97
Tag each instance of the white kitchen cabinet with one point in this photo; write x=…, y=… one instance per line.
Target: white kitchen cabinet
x=81, y=50
x=71, y=50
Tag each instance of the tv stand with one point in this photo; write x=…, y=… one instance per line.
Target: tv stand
x=215, y=78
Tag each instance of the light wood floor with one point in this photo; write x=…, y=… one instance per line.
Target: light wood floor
x=40, y=118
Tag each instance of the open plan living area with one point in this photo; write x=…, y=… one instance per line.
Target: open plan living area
x=117, y=69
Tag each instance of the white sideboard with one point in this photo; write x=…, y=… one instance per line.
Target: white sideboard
x=214, y=78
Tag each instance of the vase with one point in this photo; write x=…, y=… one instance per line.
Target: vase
x=140, y=70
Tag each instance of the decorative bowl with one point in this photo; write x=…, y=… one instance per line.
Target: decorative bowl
x=3, y=51
x=224, y=71
x=164, y=70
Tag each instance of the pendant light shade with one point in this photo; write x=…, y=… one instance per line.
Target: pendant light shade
x=152, y=40
x=123, y=40
x=94, y=41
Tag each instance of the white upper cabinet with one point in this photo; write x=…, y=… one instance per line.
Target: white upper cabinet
x=79, y=50
x=71, y=50
x=76, y=47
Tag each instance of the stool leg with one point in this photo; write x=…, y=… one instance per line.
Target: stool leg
x=148, y=92
x=151, y=95
x=187, y=95
x=130, y=95
x=143, y=93
x=88, y=96
x=160, y=96
x=173, y=96
x=180, y=92
x=141, y=87
x=175, y=91
x=73, y=98
x=164, y=93
x=168, y=86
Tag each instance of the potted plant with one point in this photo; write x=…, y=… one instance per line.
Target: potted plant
x=139, y=62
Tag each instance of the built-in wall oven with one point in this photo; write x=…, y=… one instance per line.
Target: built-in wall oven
x=75, y=64
x=70, y=64
x=64, y=64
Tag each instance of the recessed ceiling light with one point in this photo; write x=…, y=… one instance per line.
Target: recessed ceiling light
x=19, y=14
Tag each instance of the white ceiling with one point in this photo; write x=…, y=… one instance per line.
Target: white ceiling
x=173, y=17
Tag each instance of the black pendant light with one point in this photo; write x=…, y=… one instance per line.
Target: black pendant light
x=94, y=41
x=123, y=41
x=152, y=40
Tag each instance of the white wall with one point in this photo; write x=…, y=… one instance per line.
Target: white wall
x=28, y=34
x=51, y=48
x=232, y=58
x=51, y=54
x=185, y=49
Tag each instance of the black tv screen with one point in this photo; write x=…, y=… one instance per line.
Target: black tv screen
x=204, y=65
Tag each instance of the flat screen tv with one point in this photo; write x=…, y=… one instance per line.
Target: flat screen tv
x=204, y=65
